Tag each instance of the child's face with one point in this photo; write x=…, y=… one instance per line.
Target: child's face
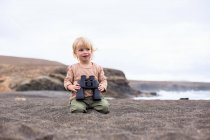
x=84, y=54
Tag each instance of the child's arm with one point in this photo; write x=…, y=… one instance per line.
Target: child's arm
x=68, y=81
x=102, y=81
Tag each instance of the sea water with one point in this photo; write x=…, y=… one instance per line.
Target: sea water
x=176, y=95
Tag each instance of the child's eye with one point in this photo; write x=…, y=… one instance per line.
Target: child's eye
x=81, y=50
x=86, y=49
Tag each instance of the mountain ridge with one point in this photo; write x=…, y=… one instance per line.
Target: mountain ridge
x=168, y=85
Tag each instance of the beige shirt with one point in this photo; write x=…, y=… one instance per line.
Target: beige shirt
x=75, y=72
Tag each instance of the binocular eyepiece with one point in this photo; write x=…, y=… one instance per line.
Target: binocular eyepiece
x=88, y=83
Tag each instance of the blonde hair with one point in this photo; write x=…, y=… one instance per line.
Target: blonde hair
x=81, y=41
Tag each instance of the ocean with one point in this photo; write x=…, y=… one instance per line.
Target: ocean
x=176, y=95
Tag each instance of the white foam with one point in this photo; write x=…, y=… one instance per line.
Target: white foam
x=176, y=95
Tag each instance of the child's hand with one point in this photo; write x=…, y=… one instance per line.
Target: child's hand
x=101, y=87
x=73, y=88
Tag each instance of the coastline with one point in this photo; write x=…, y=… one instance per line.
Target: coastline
x=45, y=115
x=177, y=95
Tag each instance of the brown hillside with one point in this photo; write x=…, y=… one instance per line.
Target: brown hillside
x=21, y=61
x=23, y=74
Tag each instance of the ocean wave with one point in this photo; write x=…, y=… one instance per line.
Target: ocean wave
x=176, y=95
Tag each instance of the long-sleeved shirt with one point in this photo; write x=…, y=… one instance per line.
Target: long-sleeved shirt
x=75, y=72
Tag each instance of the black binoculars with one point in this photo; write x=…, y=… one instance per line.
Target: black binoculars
x=88, y=83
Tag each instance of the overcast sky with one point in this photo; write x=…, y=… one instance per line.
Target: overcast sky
x=146, y=39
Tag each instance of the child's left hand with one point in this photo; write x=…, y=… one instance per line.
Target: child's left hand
x=101, y=87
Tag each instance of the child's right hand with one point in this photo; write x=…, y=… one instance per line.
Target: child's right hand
x=73, y=88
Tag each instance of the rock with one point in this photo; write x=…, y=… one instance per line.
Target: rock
x=184, y=99
x=118, y=85
x=23, y=74
x=4, y=83
x=148, y=94
x=41, y=83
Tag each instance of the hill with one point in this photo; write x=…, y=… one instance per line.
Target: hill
x=168, y=85
x=23, y=74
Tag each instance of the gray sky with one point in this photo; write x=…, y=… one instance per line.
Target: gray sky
x=147, y=39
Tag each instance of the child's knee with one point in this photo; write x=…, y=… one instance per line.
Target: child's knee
x=105, y=104
x=76, y=106
x=78, y=109
x=103, y=108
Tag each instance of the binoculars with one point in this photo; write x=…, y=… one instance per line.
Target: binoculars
x=88, y=83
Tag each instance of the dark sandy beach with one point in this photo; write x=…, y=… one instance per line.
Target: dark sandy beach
x=45, y=115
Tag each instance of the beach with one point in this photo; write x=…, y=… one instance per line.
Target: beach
x=45, y=115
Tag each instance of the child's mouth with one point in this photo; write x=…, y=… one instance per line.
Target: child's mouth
x=86, y=56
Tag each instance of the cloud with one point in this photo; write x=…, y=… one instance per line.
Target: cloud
x=151, y=39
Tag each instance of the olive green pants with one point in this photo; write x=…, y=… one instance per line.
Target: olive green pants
x=88, y=103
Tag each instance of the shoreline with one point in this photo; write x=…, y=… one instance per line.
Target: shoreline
x=50, y=93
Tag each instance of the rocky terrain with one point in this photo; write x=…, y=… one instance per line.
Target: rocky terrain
x=168, y=85
x=24, y=74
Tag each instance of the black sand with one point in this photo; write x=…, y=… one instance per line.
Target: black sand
x=45, y=115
